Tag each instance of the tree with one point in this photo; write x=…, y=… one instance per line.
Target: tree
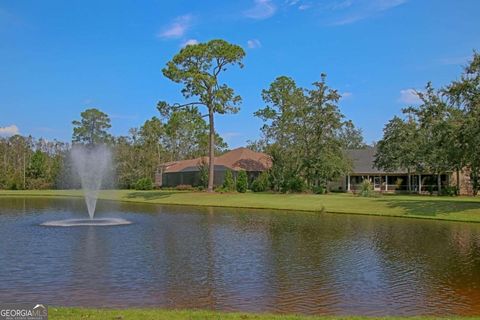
x=187, y=134
x=400, y=146
x=228, y=182
x=437, y=136
x=280, y=130
x=27, y=163
x=149, y=146
x=261, y=183
x=465, y=94
x=259, y=145
x=92, y=128
x=36, y=168
x=323, y=136
x=242, y=181
x=198, y=68
x=425, y=141
x=351, y=136
x=306, y=134
x=203, y=173
x=127, y=160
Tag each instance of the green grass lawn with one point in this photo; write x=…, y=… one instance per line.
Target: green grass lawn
x=160, y=314
x=414, y=206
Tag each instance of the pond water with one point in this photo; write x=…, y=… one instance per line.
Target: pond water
x=237, y=260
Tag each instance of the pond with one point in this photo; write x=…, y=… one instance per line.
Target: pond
x=237, y=260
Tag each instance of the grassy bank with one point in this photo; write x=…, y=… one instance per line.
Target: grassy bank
x=159, y=314
x=414, y=206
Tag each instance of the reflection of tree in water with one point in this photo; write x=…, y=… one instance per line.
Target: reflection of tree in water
x=179, y=259
x=315, y=263
x=22, y=205
x=442, y=259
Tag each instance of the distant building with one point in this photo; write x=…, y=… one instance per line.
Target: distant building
x=187, y=172
x=363, y=167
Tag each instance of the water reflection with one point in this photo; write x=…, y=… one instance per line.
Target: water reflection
x=249, y=260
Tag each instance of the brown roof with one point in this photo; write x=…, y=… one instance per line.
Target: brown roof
x=237, y=159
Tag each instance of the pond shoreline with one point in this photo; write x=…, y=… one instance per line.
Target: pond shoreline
x=63, y=313
x=456, y=209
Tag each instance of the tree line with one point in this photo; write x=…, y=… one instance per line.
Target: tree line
x=304, y=131
x=441, y=134
x=29, y=163
x=306, y=135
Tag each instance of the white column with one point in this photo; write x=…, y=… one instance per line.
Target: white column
x=348, y=183
x=386, y=183
x=419, y=183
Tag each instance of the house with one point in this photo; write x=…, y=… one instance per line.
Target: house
x=188, y=172
x=363, y=167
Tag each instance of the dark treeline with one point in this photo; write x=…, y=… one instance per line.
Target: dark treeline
x=28, y=163
x=441, y=134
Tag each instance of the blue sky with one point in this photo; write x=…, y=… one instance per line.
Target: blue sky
x=59, y=57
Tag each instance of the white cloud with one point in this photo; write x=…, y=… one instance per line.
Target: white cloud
x=9, y=131
x=292, y=2
x=189, y=42
x=304, y=6
x=346, y=94
x=298, y=4
x=362, y=9
x=341, y=4
x=450, y=61
x=262, y=9
x=177, y=28
x=254, y=43
x=382, y=5
x=409, y=96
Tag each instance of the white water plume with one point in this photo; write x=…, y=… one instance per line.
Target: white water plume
x=91, y=164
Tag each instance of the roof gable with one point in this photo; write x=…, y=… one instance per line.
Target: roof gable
x=237, y=159
x=363, y=161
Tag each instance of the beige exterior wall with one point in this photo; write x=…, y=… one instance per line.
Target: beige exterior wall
x=465, y=184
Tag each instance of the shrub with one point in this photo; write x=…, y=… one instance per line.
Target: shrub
x=242, y=181
x=228, y=183
x=398, y=183
x=144, y=184
x=261, y=183
x=39, y=184
x=366, y=188
x=295, y=184
x=449, y=191
x=430, y=189
x=13, y=186
x=203, y=171
x=319, y=189
x=184, y=187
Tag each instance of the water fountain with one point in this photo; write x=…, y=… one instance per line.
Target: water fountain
x=91, y=163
